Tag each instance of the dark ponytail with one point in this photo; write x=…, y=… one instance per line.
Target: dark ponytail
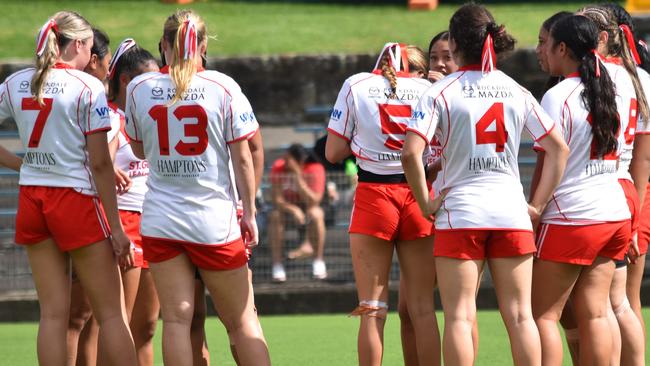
x=580, y=35
x=470, y=25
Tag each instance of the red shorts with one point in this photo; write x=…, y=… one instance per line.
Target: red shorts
x=632, y=198
x=211, y=257
x=581, y=244
x=131, y=223
x=388, y=212
x=644, y=223
x=481, y=244
x=73, y=220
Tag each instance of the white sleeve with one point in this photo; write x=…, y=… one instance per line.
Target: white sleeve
x=131, y=123
x=342, y=120
x=642, y=126
x=426, y=116
x=115, y=126
x=538, y=123
x=5, y=107
x=240, y=119
x=98, y=118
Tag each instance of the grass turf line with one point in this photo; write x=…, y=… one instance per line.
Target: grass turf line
x=314, y=340
x=245, y=28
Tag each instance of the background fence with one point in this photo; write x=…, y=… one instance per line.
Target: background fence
x=15, y=275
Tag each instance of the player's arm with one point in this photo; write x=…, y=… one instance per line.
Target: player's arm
x=138, y=149
x=537, y=173
x=10, y=160
x=336, y=148
x=556, y=153
x=245, y=179
x=414, y=146
x=257, y=152
x=640, y=165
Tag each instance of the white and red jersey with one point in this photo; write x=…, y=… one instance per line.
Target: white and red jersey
x=479, y=119
x=643, y=127
x=374, y=123
x=589, y=191
x=628, y=112
x=137, y=169
x=54, y=134
x=191, y=193
x=117, y=120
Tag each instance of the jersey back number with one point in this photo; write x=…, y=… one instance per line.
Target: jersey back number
x=197, y=131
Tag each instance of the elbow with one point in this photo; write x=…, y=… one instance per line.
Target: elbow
x=407, y=157
x=331, y=156
x=100, y=165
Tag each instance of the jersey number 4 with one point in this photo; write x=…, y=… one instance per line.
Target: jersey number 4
x=31, y=104
x=388, y=127
x=197, y=130
x=499, y=136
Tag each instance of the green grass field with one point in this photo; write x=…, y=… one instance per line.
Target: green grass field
x=254, y=28
x=314, y=340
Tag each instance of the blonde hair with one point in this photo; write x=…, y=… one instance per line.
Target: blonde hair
x=70, y=26
x=181, y=70
x=617, y=46
x=417, y=63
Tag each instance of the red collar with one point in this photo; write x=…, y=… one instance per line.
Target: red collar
x=62, y=65
x=473, y=67
x=401, y=74
x=573, y=75
x=165, y=69
x=613, y=60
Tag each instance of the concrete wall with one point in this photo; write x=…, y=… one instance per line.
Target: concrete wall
x=281, y=87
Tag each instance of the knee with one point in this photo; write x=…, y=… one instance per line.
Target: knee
x=517, y=317
x=403, y=312
x=79, y=317
x=182, y=312
x=315, y=213
x=145, y=332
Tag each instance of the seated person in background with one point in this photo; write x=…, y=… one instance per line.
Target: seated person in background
x=297, y=187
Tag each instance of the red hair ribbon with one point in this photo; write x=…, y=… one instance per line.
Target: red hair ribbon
x=488, y=56
x=189, y=39
x=599, y=59
x=630, y=42
x=41, y=39
x=126, y=45
x=397, y=56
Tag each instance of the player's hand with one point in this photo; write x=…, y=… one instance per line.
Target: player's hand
x=434, y=76
x=535, y=216
x=431, y=171
x=633, y=252
x=250, y=234
x=122, y=248
x=291, y=165
x=432, y=206
x=122, y=181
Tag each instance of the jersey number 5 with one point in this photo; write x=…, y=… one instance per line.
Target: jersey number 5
x=198, y=130
x=31, y=104
x=499, y=136
x=388, y=127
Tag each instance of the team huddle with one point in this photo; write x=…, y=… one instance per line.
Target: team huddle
x=145, y=177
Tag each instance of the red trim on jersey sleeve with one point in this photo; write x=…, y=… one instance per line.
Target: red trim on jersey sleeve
x=333, y=132
x=538, y=148
x=426, y=140
x=473, y=67
x=101, y=129
x=244, y=137
x=546, y=134
x=642, y=133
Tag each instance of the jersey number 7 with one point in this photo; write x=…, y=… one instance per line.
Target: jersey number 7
x=31, y=104
x=198, y=130
x=499, y=136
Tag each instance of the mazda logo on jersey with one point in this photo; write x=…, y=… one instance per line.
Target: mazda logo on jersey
x=157, y=92
x=24, y=85
x=468, y=91
x=374, y=91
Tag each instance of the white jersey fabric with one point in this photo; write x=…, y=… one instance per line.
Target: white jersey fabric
x=191, y=195
x=54, y=135
x=479, y=119
x=628, y=113
x=589, y=191
x=137, y=169
x=373, y=123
